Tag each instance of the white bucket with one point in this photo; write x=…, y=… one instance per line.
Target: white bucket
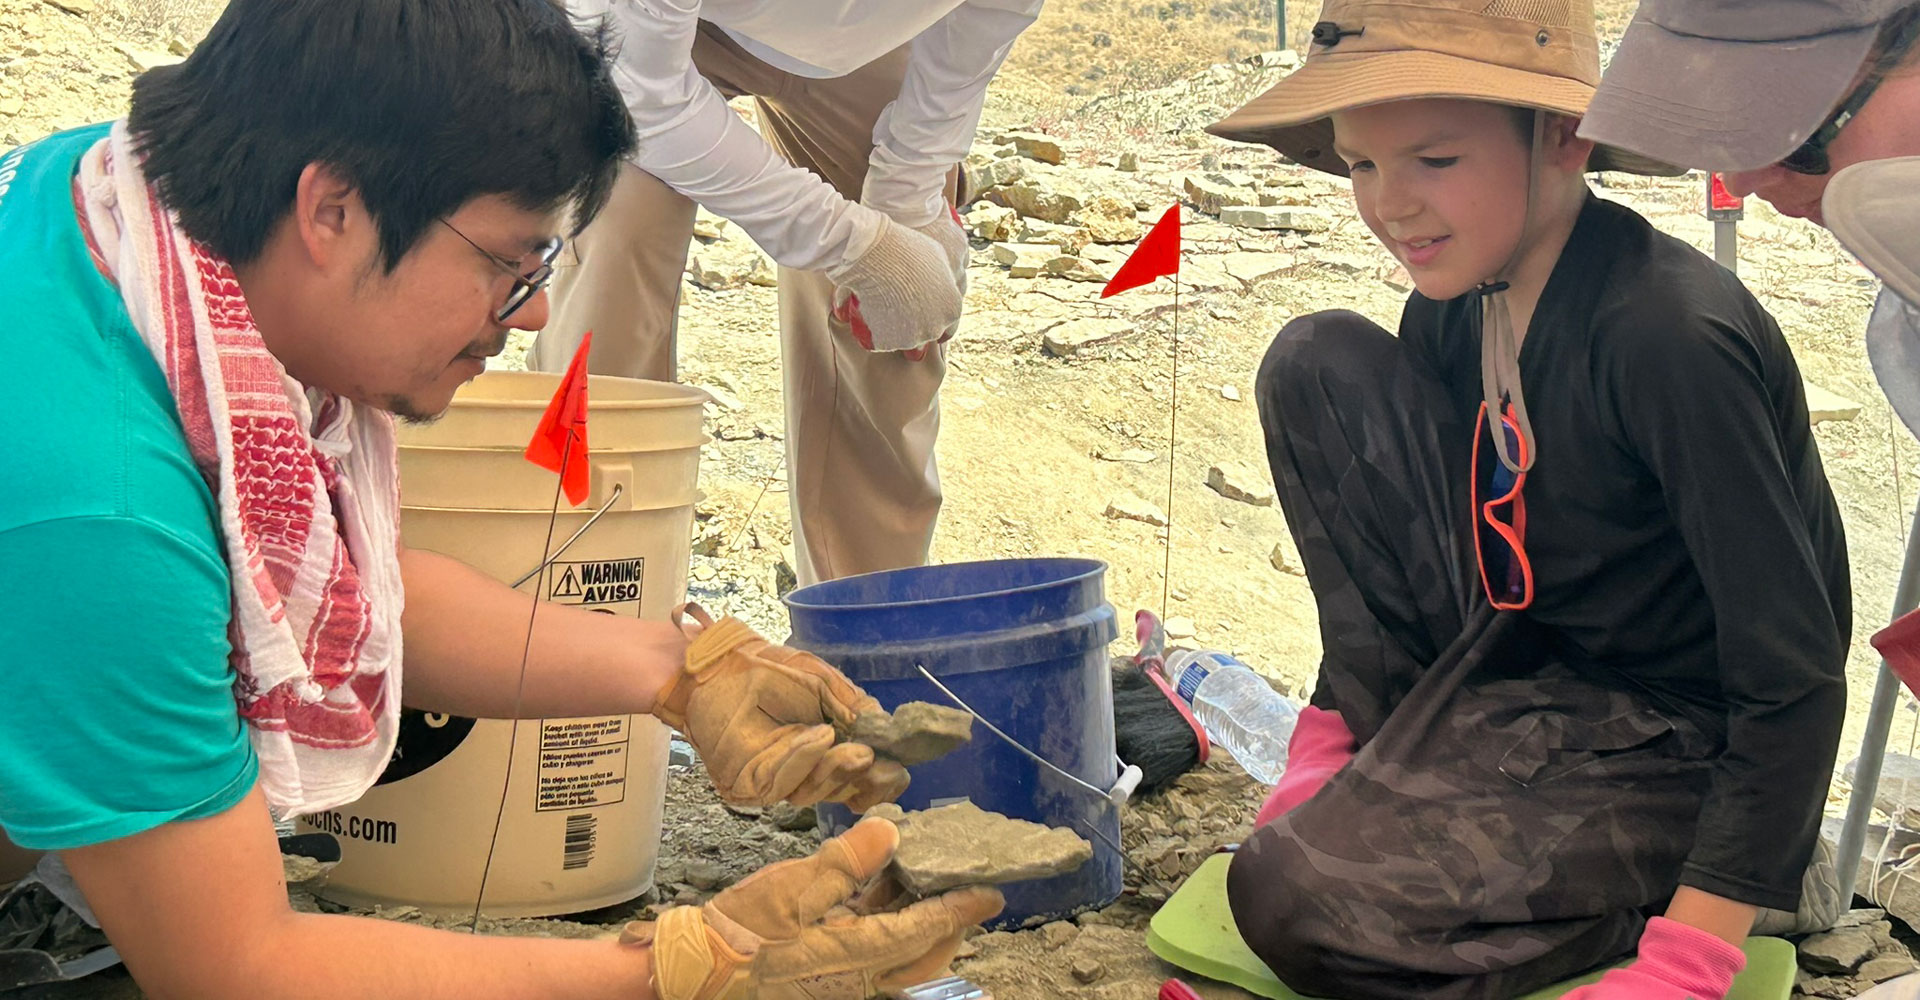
x=581, y=826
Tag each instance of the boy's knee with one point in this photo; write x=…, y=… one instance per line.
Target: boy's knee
x=1321, y=348
x=1272, y=887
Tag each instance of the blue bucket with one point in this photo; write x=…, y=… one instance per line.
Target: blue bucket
x=1024, y=642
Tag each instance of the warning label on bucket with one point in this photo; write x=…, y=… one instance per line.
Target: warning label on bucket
x=583, y=763
x=609, y=585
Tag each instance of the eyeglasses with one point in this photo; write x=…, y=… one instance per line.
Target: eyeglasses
x=525, y=286
x=1500, y=524
x=1811, y=158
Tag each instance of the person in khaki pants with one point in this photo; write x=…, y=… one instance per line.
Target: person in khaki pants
x=867, y=106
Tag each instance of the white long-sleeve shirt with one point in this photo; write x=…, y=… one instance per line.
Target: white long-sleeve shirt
x=693, y=142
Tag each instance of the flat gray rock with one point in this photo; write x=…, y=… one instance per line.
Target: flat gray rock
x=962, y=844
x=914, y=733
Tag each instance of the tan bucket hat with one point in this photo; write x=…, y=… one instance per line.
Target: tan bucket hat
x=1525, y=53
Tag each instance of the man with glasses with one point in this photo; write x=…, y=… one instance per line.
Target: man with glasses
x=865, y=108
x=1813, y=105
x=328, y=217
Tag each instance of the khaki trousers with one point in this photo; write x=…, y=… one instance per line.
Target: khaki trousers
x=860, y=426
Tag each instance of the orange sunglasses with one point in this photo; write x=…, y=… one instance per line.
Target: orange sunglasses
x=1500, y=524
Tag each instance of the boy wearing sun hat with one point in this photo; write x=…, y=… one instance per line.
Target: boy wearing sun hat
x=1583, y=590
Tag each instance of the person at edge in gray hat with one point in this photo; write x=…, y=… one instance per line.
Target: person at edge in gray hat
x=1813, y=105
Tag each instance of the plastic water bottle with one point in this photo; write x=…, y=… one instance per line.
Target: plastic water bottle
x=1238, y=708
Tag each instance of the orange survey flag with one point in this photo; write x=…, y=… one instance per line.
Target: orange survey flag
x=560, y=442
x=1157, y=254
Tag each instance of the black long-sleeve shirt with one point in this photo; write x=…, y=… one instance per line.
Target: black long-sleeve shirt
x=1679, y=524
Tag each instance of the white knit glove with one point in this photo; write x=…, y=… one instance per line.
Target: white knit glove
x=901, y=294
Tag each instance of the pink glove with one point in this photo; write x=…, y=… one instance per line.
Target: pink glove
x=1321, y=744
x=1677, y=962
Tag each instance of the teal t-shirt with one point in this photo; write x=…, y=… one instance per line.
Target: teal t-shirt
x=114, y=683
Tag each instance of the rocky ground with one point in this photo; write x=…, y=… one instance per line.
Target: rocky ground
x=1091, y=133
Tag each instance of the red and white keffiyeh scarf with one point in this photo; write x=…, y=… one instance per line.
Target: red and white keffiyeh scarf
x=308, y=489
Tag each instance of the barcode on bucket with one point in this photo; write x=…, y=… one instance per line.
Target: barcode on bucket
x=577, y=851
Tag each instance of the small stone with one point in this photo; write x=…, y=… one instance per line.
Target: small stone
x=1837, y=952
x=914, y=733
x=1823, y=405
x=1178, y=628
x=302, y=871
x=716, y=270
x=1132, y=508
x=1058, y=935
x=722, y=398
x=1075, y=269
x=179, y=46
x=1109, y=220
x=1087, y=971
x=1073, y=335
x=1214, y=197
x=708, y=226
x=1035, y=146
x=1272, y=198
x=704, y=875
x=142, y=60
x=1230, y=392
x=791, y=818
x=1304, y=220
x=1136, y=456
x=995, y=223
x=1129, y=162
x=1023, y=260
x=1236, y=481
x=11, y=106
x=1031, y=199
x=1278, y=557
x=962, y=844
x=1252, y=267
x=1884, y=967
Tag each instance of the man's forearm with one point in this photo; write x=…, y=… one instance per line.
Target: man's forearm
x=466, y=634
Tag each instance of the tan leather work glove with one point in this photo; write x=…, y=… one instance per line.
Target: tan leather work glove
x=786, y=933
x=766, y=720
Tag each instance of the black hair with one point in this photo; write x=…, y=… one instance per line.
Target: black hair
x=1894, y=46
x=423, y=105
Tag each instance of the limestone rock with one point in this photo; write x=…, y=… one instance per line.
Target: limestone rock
x=1301, y=220
x=995, y=223
x=1137, y=456
x=1109, y=220
x=1036, y=201
x=1036, y=146
x=1129, y=162
x=985, y=177
x=1230, y=392
x=1837, y=952
x=1070, y=239
x=142, y=60
x=1883, y=967
x=1272, y=198
x=1087, y=970
x=717, y=270
x=1252, y=266
x=708, y=226
x=1074, y=268
x=1179, y=628
x=1069, y=337
x=962, y=844
x=1058, y=935
x=1023, y=260
x=179, y=46
x=1237, y=481
x=1213, y=197
x=1823, y=405
x=81, y=7
x=1279, y=559
x=914, y=733
x=1133, y=508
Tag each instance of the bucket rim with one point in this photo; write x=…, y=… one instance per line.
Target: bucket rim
x=1088, y=567
x=682, y=395
x=517, y=449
